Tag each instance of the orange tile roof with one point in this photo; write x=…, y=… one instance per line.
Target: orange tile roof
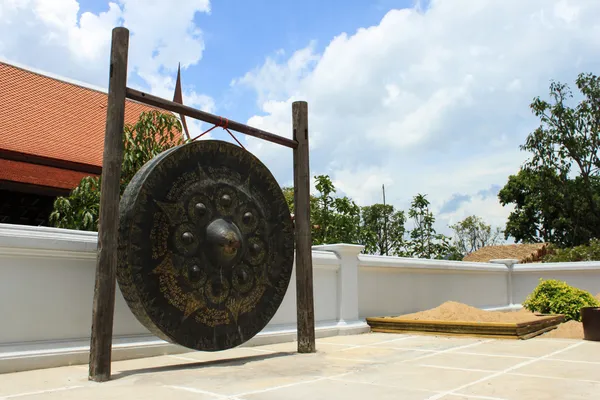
x=524, y=252
x=48, y=117
x=40, y=175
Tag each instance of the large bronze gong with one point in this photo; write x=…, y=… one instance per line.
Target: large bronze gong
x=206, y=245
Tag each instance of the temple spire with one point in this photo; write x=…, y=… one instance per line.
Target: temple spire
x=178, y=98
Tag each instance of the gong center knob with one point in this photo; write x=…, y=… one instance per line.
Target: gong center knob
x=224, y=243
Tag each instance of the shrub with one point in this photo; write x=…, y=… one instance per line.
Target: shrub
x=556, y=297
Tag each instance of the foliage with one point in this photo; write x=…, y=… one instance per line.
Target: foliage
x=79, y=210
x=425, y=241
x=153, y=133
x=589, y=252
x=335, y=219
x=557, y=191
x=383, y=230
x=473, y=233
x=556, y=297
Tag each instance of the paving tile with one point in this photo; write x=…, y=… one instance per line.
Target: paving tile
x=586, y=351
x=328, y=390
x=224, y=380
x=367, y=338
x=109, y=392
x=514, y=387
x=469, y=361
x=526, y=348
x=287, y=347
x=430, y=342
x=562, y=369
x=409, y=367
x=310, y=365
x=415, y=377
x=187, y=361
x=465, y=397
x=239, y=354
x=148, y=364
x=42, y=379
x=322, y=347
x=377, y=355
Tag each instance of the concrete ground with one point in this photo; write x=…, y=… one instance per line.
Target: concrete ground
x=372, y=366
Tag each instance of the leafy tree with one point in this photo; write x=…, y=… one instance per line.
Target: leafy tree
x=472, y=233
x=79, y=210
x=557, y=191
x=336, y=219
x=383, y=230
x=333, y=219
x=425, y=241
x=288, y=193
x=153, y=133
x=589, y=252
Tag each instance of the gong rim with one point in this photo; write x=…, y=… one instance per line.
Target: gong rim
x=206, y=245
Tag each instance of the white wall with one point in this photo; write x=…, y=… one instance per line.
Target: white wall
x=394, y=286
x=47, y=281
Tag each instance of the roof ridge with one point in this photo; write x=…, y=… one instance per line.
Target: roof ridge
x=51, y=75
x=73, y=82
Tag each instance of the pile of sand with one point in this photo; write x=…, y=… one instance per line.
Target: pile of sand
x=451, y=311
x=568, y=330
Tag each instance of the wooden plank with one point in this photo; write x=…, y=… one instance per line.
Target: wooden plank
x=106, y=264
x=207, y=117
x=304, y=268
x=522, y=330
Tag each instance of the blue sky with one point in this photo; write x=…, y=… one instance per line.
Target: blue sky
x=239, y=34
x=432, y=100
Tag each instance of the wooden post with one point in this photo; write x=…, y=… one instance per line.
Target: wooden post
x=304, y=268
x=106, y=262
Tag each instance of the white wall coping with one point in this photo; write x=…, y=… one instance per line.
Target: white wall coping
x=41, y=242
x=37, y=241
x=373, y=261
x=558, y=267
x=325, y=258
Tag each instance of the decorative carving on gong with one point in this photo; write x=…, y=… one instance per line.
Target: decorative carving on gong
x=206, y=245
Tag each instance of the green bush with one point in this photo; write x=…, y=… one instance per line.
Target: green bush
x=556, y=297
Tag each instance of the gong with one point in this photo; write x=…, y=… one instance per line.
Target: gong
x=206, y=245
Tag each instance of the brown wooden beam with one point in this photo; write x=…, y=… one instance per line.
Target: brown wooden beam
x=305, y=309
x=207, y=117
x=106, y=264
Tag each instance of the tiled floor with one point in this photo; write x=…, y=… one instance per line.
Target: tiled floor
x=372, y=366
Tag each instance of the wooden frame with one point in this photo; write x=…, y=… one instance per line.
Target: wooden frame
x=106, y=264
x=500, y=330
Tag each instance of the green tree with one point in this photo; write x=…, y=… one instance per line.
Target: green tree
x=589, y=252
x=425, y=242
x=472, y=233
x=153, y=133
x=557, y=191
x=383, y=230
x=335, y=219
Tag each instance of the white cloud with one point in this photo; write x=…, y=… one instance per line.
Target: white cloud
x=52, y=36
x=432, y=101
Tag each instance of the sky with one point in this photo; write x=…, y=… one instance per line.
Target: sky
x=427, y=97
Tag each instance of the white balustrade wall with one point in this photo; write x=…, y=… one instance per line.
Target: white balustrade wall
x=47, y=284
